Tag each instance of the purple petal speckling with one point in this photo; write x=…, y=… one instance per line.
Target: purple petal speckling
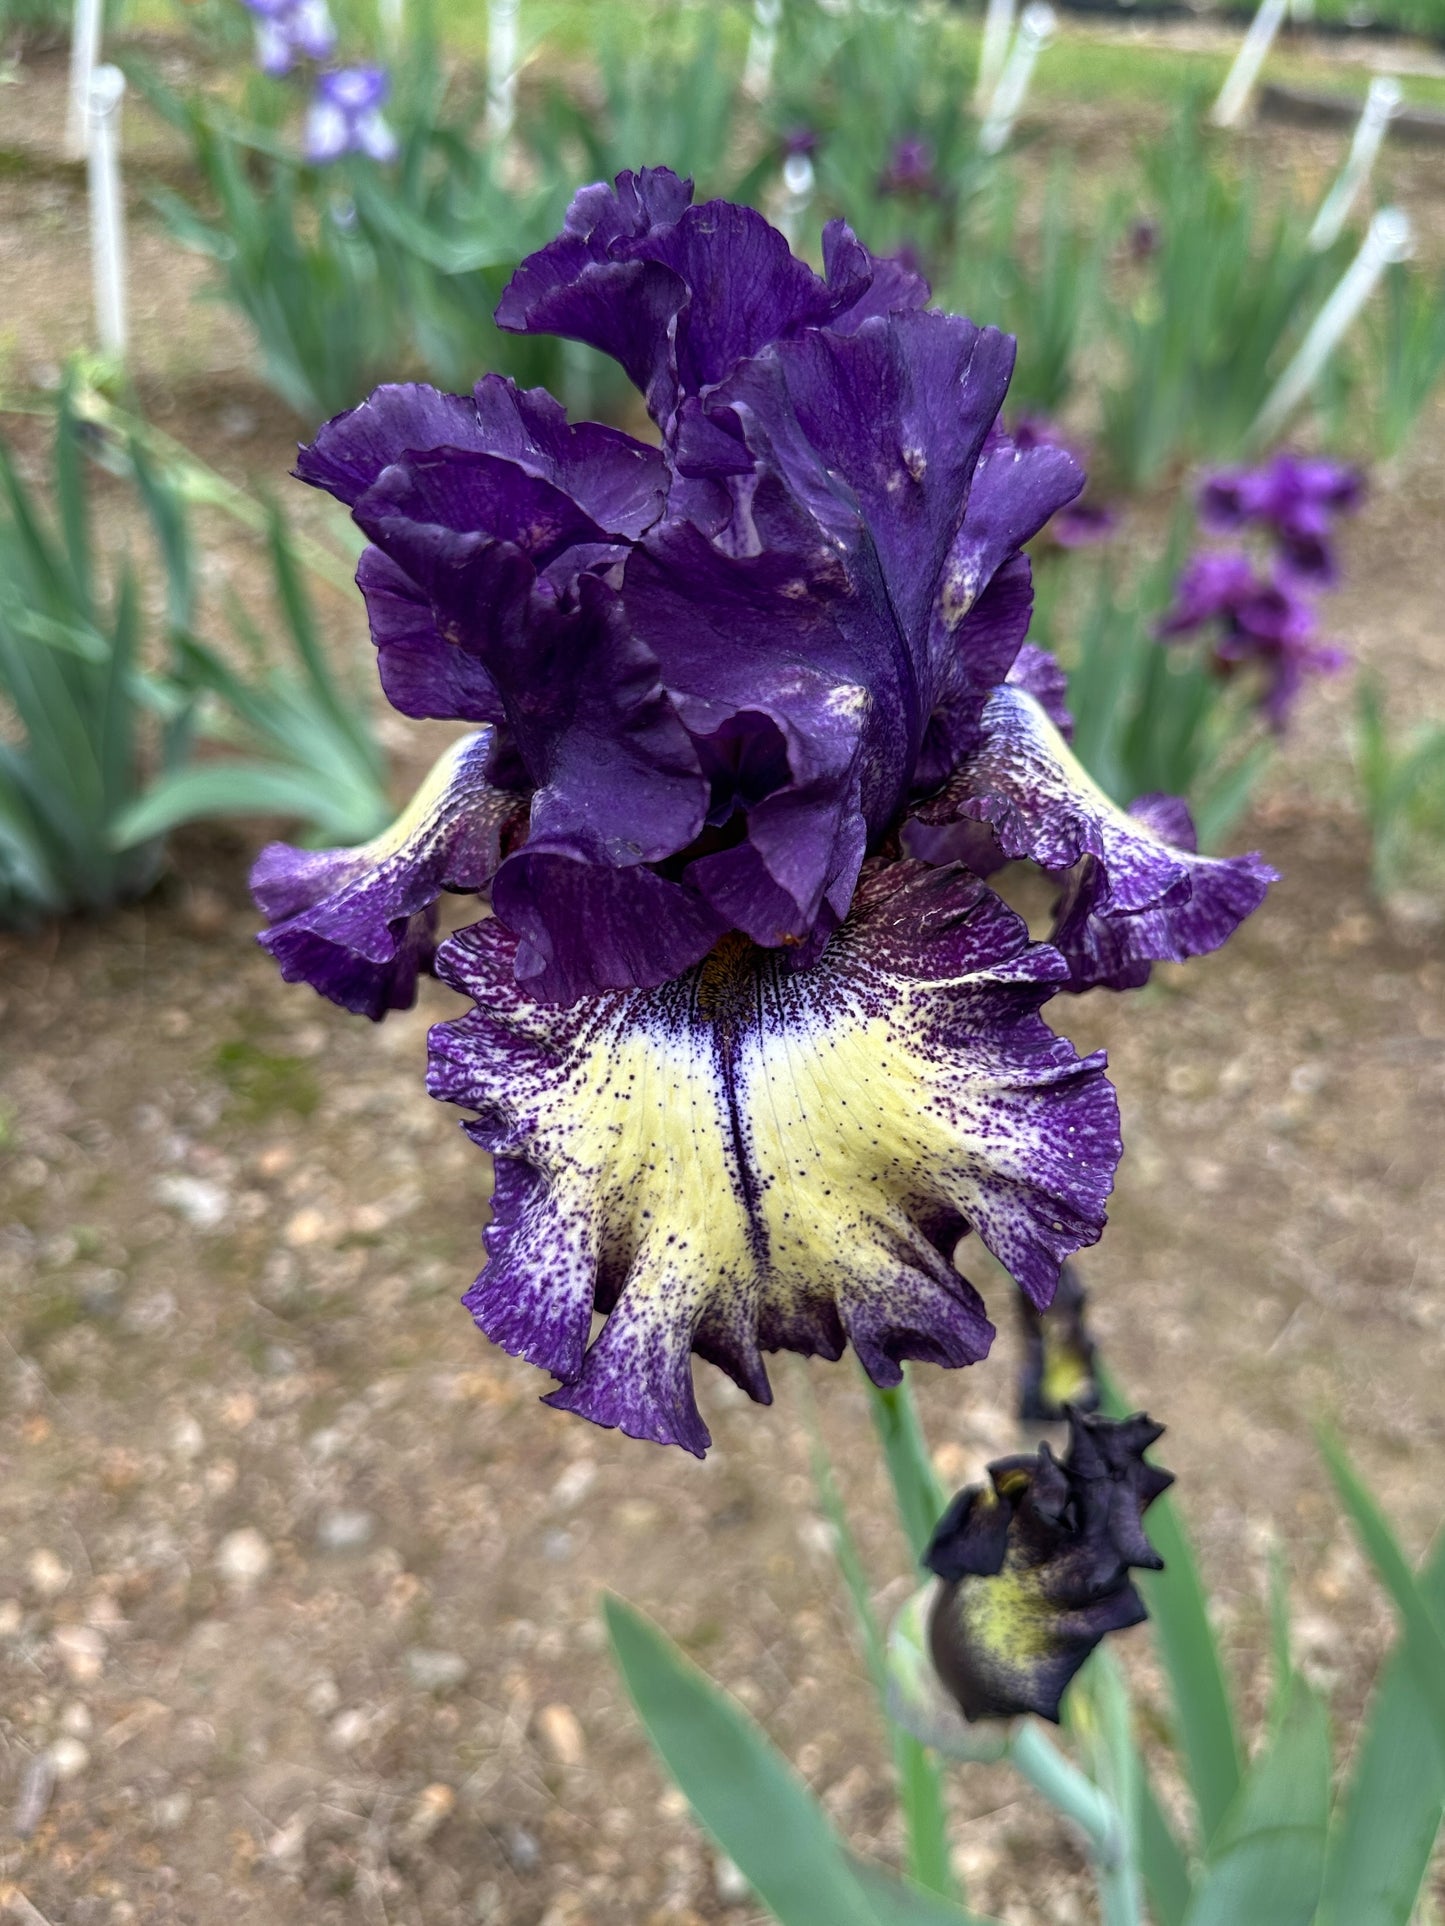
x=1136, y=891
x=752, y=1159
x=358, y=924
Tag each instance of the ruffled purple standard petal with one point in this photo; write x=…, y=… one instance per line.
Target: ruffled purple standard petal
x=776, y=697
x=607, y=486
x=1141, y=894
x=862, y=590
x=618, y=483
x=618, y=781
x=357, y=924
x=886, y=284
x=752, y=1159
x=679, y=294
x=986, y=600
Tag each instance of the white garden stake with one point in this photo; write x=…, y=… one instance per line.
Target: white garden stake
x=1239, y=82
x=1036, y=30
x=1388, y=240
x=998, y=29
x=84, y=52
x=1382, y=103
x=762, y=48
x=107, y=216
x=392, y=15
x=799, y=181
x=502, y=67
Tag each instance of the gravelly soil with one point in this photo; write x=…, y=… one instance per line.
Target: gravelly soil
x=299, y=1583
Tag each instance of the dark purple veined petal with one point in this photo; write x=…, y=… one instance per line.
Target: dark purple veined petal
x=678, y=294
x=617, y=779
x=751, y=1158
x=357, y=924
x=618, y=483
x=1140, y=894
x=422, y=674
x=862, y=590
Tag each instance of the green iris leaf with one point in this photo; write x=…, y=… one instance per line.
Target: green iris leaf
x=750, y=1799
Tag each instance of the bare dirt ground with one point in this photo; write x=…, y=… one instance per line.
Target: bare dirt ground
x=299, y=1583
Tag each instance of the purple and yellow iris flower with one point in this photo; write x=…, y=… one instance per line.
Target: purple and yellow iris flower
x=749, y=1071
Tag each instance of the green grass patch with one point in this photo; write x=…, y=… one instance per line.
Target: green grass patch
x=264, y=1084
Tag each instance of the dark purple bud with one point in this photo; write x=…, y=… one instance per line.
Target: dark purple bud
x=1058, y=1367
x=1036, y=1567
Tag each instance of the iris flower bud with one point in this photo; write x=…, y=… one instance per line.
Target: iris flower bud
x=1036, y=1567
x=1058, y=1366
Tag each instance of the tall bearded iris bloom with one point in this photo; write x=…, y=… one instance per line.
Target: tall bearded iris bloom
x=748, y=1074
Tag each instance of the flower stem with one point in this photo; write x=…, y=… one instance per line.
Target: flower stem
x=1033, y=1754
x=916, y=1493
x=905, y=1451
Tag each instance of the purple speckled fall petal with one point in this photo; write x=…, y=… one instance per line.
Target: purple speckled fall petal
x=751, y=1158
x=1141, y=894
x=1115, y=950
x=357, y=924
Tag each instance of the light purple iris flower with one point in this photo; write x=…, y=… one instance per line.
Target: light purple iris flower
x=747, y=1073
x=345, y=117
x=288, y=30
x=1297, y=500
x=1259, y=620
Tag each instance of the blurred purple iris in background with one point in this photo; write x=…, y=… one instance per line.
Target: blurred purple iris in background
x=290, y=30
x=911, y=168
x=345, y=116
x=1295, y=500
x=1259, y=619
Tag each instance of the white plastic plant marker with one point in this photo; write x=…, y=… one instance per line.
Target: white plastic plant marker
x=1382, y=103
x=1036, y=30
x=762, y=48
x=502, y=67
x=1389, y=240
x=799, y=181
x=85, y=25
x=1239, y=82
x=998, y=30
x=107, y=210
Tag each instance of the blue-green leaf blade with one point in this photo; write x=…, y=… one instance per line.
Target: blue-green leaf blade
x=1390, y=1815
x=1425, y=1641
x=895, y=1904
x=1178, y=1609
x=740, y=1787
x=1267, y=1860
x=1161, y=1857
